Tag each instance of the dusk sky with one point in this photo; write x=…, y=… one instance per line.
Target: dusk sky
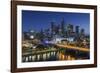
x=38, y=20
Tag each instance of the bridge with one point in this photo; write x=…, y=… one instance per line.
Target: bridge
x=43, y=55
x=73, y=47
x=39, y=55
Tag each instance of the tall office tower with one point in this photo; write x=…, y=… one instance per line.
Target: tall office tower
x=82, y=31
x=57, y=29
x=52, y=29
x=77, y=30
x=77, y=33
x=82, y=34
x=62, y=26
x=69, y=29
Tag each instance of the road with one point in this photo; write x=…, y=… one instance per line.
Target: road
x=73, y=47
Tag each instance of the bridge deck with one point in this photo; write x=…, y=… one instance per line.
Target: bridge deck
x=73, y=47
x=39, y=52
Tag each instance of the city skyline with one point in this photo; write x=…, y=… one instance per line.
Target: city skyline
x=38, y=20
x=53, y=36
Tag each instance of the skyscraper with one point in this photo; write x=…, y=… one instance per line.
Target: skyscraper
x=62, y=27
x=69, y=29
x=77, y=30
x=52, y=28
x=82, y=32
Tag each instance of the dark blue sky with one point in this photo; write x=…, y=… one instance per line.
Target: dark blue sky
x=38, y=20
